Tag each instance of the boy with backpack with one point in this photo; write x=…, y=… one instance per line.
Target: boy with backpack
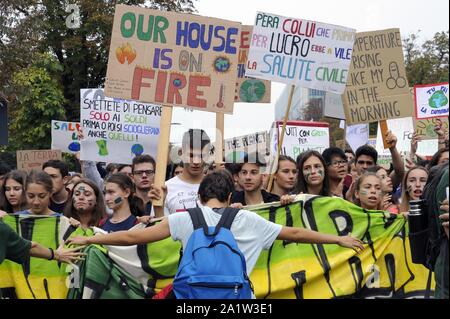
x=216, y=260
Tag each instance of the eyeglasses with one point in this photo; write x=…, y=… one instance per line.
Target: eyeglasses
x=337, y=163
x=368, y=163
x=147, y=172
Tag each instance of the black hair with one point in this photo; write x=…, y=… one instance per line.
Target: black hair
x=59, y=165
x=145, y=158
x=216, y=185
x=349, y=150
x=174, y=167
x=436, y=157
x=302, y=186
x=125, y=182
x=4, y=169
x=19, y=177
x=330, y=152
x=195, y=139
x=41, y=178
x=252, y=158
x=368, y=151
x=122, y=166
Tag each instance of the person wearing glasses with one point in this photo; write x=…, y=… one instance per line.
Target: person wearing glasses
x=336, y=162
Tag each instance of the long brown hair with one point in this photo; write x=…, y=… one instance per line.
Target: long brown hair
x=99, y=211
x=358, y=183
x=404, y=205
x=21, y=178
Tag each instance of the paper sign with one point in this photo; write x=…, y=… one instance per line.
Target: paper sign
x=377, y=87
x=65, y=136
x=34, y=159
x=171, y=58
x=3, y=122
x=310, y=54
x=301, y=137
x=249, y=90
x=431, y=100
x=333, y=106
x=117, y=130
x=425, y=127
x=236, y=148
x=357, y=135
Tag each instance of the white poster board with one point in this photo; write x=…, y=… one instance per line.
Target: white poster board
x=65, y=136
x=237, y=147
x=357, y=135
x=431, y=100
x=116, y=130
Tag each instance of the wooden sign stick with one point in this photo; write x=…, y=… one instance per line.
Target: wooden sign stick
x=220, y=123
x=281, y=137
x=384, y=129
x=163, y=154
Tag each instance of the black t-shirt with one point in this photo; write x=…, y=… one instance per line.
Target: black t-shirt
x=239, y=197
x=57, y=207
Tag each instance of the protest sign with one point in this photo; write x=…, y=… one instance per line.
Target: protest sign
x=300, y=52
x=236, y=148
x=377, y=87
x=65, y=136
x=3, y=121
x=116, y=130
x=249, y=90
x=431, y=100
x=357, y=135
x=403, y=128
x=171, y=59
x=300, y=137
x=333, y=106
x=28, y=160
x=425, y=127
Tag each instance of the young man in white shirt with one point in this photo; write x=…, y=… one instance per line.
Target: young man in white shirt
x=252, y=232
x=182, y=189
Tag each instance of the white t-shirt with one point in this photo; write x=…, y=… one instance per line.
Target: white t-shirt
x=252, y=232
x=180, y=196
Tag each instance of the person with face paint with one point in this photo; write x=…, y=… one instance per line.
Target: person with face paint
x=119, y=193
x=312, y=175
x=285, y=176
x=412, y=186
x=38, y=192
x=336, y=168
x=12, y=193
x=87, y=205
x=368, y=194
x=389, y=202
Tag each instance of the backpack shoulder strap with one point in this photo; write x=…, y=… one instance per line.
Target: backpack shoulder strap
x=198, y=220
x=227, y=218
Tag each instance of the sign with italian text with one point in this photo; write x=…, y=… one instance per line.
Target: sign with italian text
x=117, y=130
x=431, y=100
x=377, y=87
x=65, y=136
x=425, y=127
x=28, y=160
x=171, y=58
x=295, y=51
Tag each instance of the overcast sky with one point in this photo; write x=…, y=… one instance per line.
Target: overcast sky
x=429, y=16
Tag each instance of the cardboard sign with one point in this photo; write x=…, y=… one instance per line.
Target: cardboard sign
x=236, y=148
x=403, y=128
x=249, y=90
x=431, y=100
x=171, y=58
x=3, y=121
x=65, y=136
x=425, y=128
x=377, y=87
x=301, y=137
x=306, y=53
x=117, y=130
x=34, y=159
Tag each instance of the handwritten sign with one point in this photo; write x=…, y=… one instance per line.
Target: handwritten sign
x=431, y=100
x=301, y=137
x=425, y=127
x=249, y=90
x=170, y=58
x=236, y=148
x=377, y=87
x=65, y=136
x=28, y=160
x=116, y=130
x=306, y=53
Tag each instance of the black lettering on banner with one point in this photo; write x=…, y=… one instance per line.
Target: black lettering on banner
x=390, y=266
x=289, y=223
x=357, y=272
x=299, y=280
x=272, y=215
x=340, y=214
x=368, y=237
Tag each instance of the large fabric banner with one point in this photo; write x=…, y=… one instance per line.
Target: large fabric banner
x=288, y=270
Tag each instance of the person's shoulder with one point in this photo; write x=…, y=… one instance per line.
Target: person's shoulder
x=237, y=197
x=269, y=197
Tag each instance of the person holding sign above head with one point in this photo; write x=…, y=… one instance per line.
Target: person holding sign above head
x=12, y=193
x=59, y=172
x=251, y=179
x=312, y=174
x=182, y=189
x=285, y=176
